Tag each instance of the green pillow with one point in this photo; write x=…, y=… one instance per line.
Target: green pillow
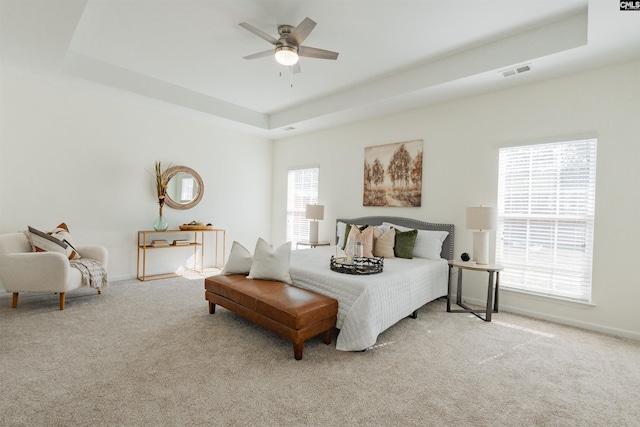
x=405, y=241
x=347, y=230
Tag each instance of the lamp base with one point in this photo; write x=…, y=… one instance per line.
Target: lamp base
x=481, y=247
x=313, y=232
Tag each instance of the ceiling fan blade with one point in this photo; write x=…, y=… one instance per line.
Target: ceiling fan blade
x=301, y=32
x=259, y=54
x=313, y=52
x=259, y=33
x=296, y=68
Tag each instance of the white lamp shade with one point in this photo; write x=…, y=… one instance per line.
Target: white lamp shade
x=315, y=212
x=482, y=218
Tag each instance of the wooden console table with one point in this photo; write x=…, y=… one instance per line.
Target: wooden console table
x=144, y=244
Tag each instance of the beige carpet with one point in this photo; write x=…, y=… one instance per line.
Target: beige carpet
x=150, y=354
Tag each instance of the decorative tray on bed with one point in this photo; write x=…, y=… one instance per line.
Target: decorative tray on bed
x=357, y=265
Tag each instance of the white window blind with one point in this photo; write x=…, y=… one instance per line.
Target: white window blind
x=302, y=189
x=546, y=209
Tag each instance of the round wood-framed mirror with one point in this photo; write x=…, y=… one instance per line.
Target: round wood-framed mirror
x=184, y=187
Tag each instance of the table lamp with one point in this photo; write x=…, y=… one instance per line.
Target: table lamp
x=314, y=213
x=482, y=219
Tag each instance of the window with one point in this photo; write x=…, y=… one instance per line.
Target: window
x=186, y=190
x=546, y=208
x=302, y=189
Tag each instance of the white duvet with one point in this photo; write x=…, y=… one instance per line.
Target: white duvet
x=367, y=305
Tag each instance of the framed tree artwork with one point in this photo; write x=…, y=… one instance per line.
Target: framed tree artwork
x=393, y=174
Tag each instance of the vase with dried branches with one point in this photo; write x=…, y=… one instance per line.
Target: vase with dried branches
x=161, y=223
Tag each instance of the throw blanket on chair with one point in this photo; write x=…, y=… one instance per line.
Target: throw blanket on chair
x=92, y=271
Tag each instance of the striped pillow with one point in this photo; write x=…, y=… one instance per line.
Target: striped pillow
x=57, y=240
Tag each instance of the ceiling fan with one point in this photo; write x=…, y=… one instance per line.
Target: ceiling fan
x=288, y=46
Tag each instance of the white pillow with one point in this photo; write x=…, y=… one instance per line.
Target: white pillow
x=384, y=227
x=428, y=243
x=340, y=229
x=239, y=261
x=270, y=264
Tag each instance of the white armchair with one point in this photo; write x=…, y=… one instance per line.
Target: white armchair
x=22, y=270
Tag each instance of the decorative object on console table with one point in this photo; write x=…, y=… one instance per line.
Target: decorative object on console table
x=314, y=213
x=196, y=225
x=481, y=219
x=161, y=223
x=159, y=242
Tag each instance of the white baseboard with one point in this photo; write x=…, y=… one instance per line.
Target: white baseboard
x=562, y=320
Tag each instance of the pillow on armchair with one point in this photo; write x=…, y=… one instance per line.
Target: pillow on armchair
x=62, y=232
x=58, y=240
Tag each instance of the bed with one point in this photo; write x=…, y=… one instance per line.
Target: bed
x=368, y=305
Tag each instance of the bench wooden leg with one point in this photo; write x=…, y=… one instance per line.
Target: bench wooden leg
x=14, y=303
x=62, y=295
x=326, y=336
x=212, y=308
x=297, y=350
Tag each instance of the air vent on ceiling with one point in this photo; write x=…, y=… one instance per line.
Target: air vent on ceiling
x=517, y=70
x=289, y=128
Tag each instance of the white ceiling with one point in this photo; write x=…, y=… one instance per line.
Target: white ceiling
x=394, y=54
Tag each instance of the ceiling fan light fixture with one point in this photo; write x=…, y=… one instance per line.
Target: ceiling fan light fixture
x=286, y=55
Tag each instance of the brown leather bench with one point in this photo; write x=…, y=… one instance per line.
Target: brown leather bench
x=291, y=312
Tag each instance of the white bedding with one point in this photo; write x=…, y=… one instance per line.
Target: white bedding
x=367, y=305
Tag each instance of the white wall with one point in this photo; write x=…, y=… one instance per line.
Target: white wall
x=461, y=142
x=84, y=154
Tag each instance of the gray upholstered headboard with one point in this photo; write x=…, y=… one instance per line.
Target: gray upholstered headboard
x=447, y=245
